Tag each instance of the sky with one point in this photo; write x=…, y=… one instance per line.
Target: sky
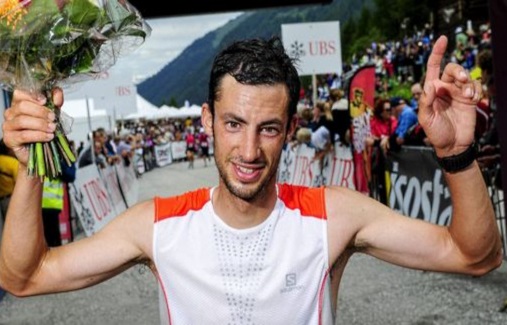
x=169, y=37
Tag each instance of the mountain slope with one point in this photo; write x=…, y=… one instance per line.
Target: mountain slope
x=186, y=77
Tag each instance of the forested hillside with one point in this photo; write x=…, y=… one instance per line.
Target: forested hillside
x=362, y=21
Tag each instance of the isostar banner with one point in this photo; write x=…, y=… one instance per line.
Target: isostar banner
x=316, y=46
x=418, y=192
x=361, y=96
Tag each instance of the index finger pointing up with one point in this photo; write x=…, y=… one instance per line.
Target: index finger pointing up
x=435, y=59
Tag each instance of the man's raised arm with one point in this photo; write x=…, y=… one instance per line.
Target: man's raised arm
x=24, y=234
x=447, y=114
x=27, y=265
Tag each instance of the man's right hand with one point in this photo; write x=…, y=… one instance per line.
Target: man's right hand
x=28, y=121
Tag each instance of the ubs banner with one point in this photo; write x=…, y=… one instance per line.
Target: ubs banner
x=98, y=196
x=317, y=46
x=418, y=192
x=298, y=167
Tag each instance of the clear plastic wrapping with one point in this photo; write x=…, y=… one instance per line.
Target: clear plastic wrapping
x=50, y=43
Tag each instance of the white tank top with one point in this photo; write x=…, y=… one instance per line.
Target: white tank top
x=274, y=273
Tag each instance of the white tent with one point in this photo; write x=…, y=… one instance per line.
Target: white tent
x=170, y=111
x=189, y=111
x=149, y=111
x=179, y=113
x=145, y=109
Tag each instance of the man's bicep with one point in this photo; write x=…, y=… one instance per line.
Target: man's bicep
x=124, y=242
x=409, y=242
x=360, y=223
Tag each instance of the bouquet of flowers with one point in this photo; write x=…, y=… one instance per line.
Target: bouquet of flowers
x=56, y=43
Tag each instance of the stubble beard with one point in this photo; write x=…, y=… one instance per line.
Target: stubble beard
x=244, y=193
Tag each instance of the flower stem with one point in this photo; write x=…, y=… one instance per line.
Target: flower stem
x=39, y=156
x=45, y=159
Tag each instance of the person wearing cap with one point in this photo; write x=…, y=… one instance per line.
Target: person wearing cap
x=407, y=118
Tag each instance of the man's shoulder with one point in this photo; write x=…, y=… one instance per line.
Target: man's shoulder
x=180, y=205
x=309, y=200
x=408, y=111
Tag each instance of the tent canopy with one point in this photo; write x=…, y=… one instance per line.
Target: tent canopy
x=151, y=112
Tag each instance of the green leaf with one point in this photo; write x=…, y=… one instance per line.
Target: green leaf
x=84, y=13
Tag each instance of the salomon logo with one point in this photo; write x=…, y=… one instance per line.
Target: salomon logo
x=291, y=283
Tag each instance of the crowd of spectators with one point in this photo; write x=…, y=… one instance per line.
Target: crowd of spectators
x=325, y=121
x=134, y=142
x=399, y=70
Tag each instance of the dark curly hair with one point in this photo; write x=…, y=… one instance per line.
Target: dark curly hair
x=255, y=62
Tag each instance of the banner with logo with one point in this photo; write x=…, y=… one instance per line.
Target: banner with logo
x=128, y=183
x=418, y=192
x=298, y=167
x=178, y=150
x=97, y=197
x=361, y=96
x=163, y=155
x=317, y=46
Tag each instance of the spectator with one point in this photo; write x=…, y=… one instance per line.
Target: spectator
x=80, y=148
x=341, y=116
x=336, y=82
x=52, y=203
x=124, y=148
x=322, y=116
x=382, y=125
x=191, y=145
x=407, y=118
x=203, y=140
x=304, y=137
x=87, y=157
x=416, y=91
x=461, y=37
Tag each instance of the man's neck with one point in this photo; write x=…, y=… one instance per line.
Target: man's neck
x=241, y=214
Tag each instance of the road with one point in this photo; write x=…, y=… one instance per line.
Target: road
x=372, y=292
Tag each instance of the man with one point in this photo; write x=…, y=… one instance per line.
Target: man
x=407, y=120
x=101, y=154
x=416, y=91
x=124, y=148
x=203, y=140
x=250, y=250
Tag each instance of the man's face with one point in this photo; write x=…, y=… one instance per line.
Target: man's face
x=398, y=108
x=249, y=128
x=101, y=137
x=97, y=147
